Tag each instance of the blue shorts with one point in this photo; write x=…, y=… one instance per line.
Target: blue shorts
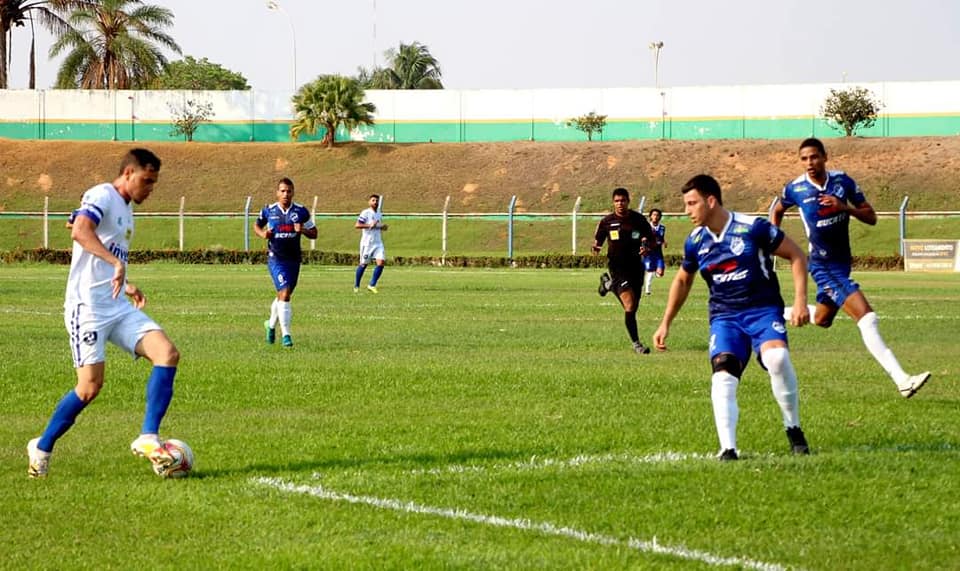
x=285, y=273
x=834, y=285
x=748, y=330
x=653, y=262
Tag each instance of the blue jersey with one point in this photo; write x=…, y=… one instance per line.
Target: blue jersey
x=655, y=250
x=737, y=265
x=285, y=243
x=827, y=228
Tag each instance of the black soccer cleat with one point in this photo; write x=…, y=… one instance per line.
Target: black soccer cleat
x=728, y=455
x=798, y=443
x=605, y=283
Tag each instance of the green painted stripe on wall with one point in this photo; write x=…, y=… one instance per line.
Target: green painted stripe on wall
x=488, y=131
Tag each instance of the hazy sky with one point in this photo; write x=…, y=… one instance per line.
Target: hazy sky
x=520, y=44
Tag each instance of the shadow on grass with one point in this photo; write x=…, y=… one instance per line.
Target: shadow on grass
x=406, y=461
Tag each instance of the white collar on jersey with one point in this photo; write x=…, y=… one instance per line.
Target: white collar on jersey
x=719, y=238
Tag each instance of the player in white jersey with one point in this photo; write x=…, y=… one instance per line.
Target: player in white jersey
x=95, y=312
x=371, y=243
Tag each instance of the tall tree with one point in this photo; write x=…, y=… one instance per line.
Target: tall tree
x=115, y=44
x=411, y=66
x=18, y=14
x=328, y=102
x=199, y=74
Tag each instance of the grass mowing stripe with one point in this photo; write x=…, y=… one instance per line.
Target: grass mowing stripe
x=546, y=528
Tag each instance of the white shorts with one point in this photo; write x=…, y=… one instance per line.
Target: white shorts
x=371, y=252
x=89, y=334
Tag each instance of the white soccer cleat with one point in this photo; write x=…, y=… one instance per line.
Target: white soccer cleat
x=149, y=446
x=39, y=460
x=913, y=384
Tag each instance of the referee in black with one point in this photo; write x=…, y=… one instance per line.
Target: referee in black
x=626, y=233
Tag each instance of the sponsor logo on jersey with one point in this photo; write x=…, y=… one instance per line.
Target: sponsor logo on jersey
x=734, y=277
x=119, y=252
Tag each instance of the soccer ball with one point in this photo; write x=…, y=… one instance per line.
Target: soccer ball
x=182, y=460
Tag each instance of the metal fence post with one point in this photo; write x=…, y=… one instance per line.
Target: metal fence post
x=443, y=232
x=643, y=201
x=513, y=203
x=903, y=222
x=573, y=239
x=246, y=225
x=313, y=215
x=46, y=222
x=183, y=200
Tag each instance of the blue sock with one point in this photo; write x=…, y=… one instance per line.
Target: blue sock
x=62, y=419
x=159, y=394
x=356, y=281
x=376, y=275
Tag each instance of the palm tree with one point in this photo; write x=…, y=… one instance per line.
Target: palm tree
x=328, y=102
x=409, y=67
x=114, y=45
x=17, y=13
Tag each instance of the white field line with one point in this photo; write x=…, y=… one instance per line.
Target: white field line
x=546, y=528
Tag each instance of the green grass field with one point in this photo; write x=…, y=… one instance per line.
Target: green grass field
x=478, y=419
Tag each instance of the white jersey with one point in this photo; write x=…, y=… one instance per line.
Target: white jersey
x=370, y=237
x=89, y=280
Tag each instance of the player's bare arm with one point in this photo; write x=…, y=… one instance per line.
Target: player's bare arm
x=265, y=233
x=790, y=251
x=679, y=290
x=84, y=232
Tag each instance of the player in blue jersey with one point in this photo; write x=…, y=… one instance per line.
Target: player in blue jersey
x=281, y=224
x=733, y=253
x=627, y=234
x=826, y=201
x=96, y=310
x=653, y=261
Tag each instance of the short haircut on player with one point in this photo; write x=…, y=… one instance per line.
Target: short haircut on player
x=377, y=196
x=706, y=185
x=286, y=181
x=657, y=210
x=620, y=191
x=139, y=158
x=815, y=143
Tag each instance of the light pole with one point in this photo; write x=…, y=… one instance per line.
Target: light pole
x=275, y=6
x=374, y=37
x=656, y=47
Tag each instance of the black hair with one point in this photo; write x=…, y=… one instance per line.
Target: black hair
x=706, y=185
x=657, y=210
x=815, y=143
x=286, y=181
x=620, y=191
x=377, y=196
x=140, y=158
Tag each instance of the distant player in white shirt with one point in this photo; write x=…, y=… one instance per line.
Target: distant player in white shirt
x=371, y=243
x=95, y=312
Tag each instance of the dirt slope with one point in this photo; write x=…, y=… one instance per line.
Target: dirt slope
x=546, y=177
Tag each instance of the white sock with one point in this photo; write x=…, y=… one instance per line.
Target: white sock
x=871, y=338
x=273, y=313
x=648, y=280
x=723, y=393
x=286, y=314
x=783, y=382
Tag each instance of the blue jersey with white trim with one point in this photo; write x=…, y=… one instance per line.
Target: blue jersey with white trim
x=828, y=229
x=737, y=265
x=285, y=243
